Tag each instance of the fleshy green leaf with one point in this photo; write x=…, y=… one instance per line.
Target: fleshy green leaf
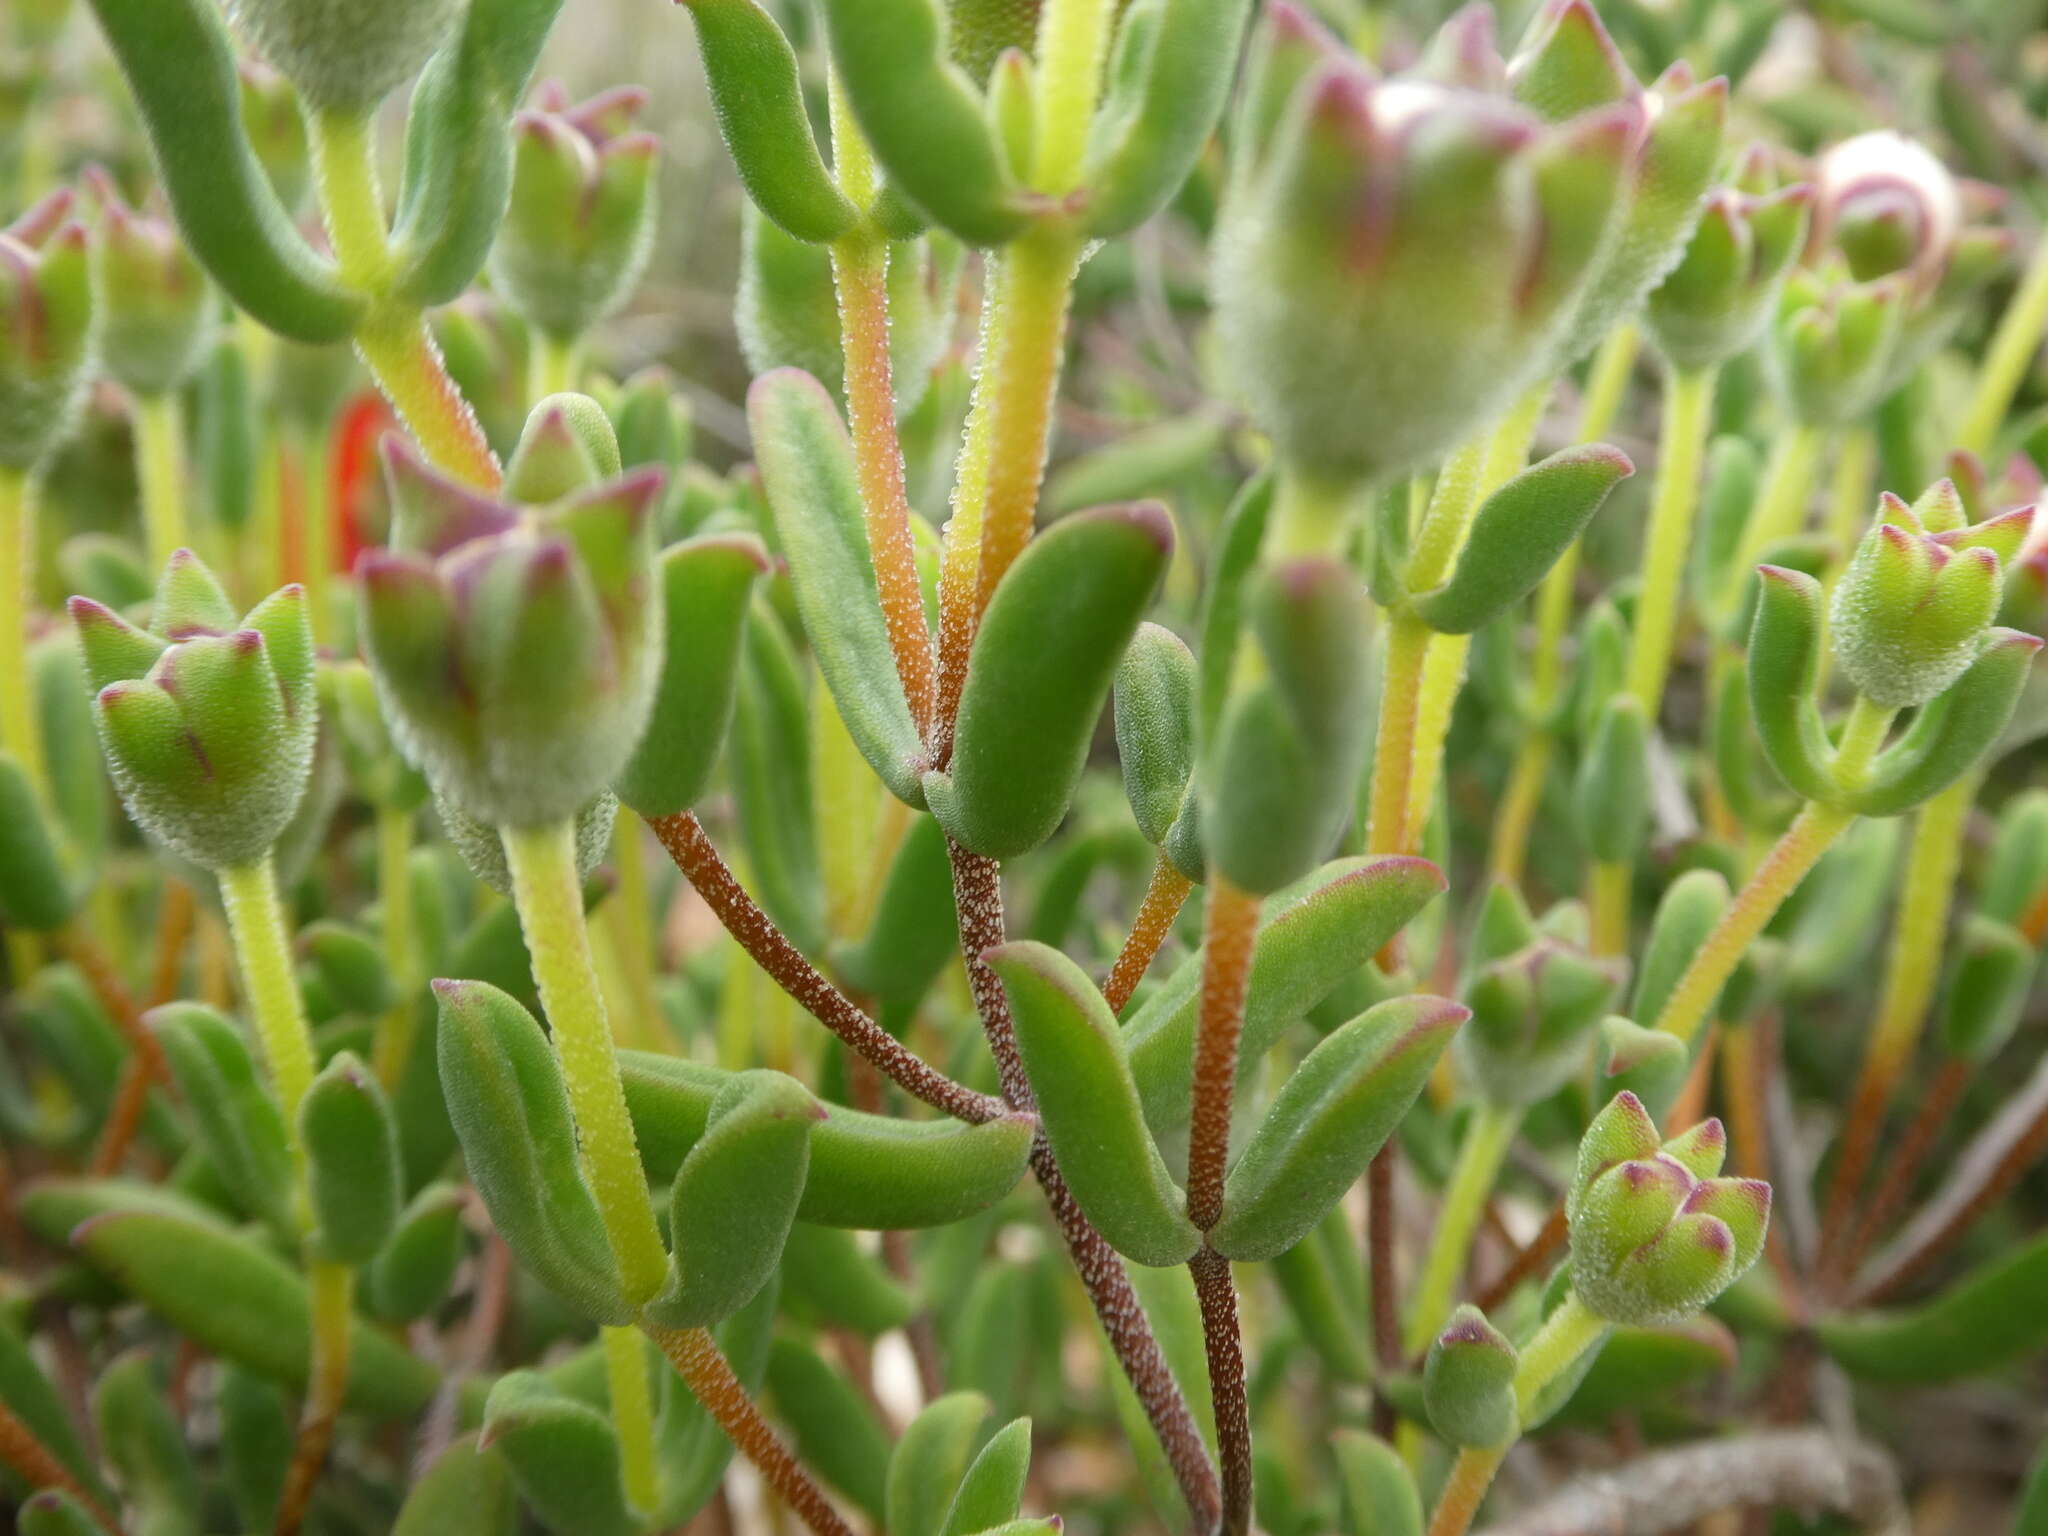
x=1075, y=1055
x=1331, y=1116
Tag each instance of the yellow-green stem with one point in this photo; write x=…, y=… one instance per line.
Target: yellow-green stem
x=1913, y=965
x=1519, y=800
x=270, y=987
x=1688, y=411
x=391, y=1046
x=1406, y=651
x=1780, y=506
x=21, y=725
x=554, y=364
x=1606, y=384
x=343, y=143
x=392, y=338
x=398, y=347
x=1850, y=497
x=632, y=917
x=1484, y=1147
x=549, y=898
x=158, y=424
x=1034, y=284
x=1310, y=516
x=1794, y=854
x=1443, y=678
x=1474, y=473
x=316, y=542
x=1567, y=1334
x=1863, y=734
x=1073, y=40
x=1607, y=893
x=625, y=1370
x=2005, y=362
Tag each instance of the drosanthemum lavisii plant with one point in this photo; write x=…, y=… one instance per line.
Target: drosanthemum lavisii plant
x=1096, y=547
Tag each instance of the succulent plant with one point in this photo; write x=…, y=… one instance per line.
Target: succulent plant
x=1270, y=812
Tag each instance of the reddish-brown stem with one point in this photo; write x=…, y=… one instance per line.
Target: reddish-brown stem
x=1989, y=1166
x=1379, y=1255
x=173, y=928
x=1164, y=896
x=146, y=1063
x=1527, y=1264
x=1897, y=1180
x=124, y=1117
x=2033, y=923
x=685, y=839
x=1859, y=1142
x=1690, y=1107
x=35, y=1464
x=695, y=1355
x=978, y=896
x=1748, y=1052
x=1223, y=1341
x=860, y=267
x=1231, y=927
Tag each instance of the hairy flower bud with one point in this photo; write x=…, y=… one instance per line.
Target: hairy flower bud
x=1718, y=298
x=1918, y=595
x=1655, y=1235
x=1534, y=1013
x=1398, y=256
x=154, y=302
x=345, y=53
x=46, y=314
x=1567, y=64
x=515, y=647
x=208, y=722
x=580, y=226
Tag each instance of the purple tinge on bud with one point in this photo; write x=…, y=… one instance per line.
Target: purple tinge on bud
x=515, y=648
x=1656, y=1237
x=1396, y=255
x=580, y=225
x=1912, y=607
x=46, y=311
x=156, y=307
x=207, y=721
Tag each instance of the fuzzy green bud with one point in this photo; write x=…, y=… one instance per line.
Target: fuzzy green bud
x=1534, y=1014
x=346, y=54
x=154, y=302
x=1655, y=1233
x=1717, y=299
x=46, y=322
x=1915, y=601
x=1398, y=257
x=1468, y=1382
x=515, y=647
x=580, y=227
x=208, y=722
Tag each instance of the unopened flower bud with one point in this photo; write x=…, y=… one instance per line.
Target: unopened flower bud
x=1918, y=595
x=515, y=646
x=154, y=302
x=1397, y=256
x=208, y=722
x=345, y=53
x=46, y=314
x=580, y=226
x=1655, y=1235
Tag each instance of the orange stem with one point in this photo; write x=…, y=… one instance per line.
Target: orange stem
x=1164, y=897
x=39, y=1467
x=861, y=270
x=695, y=1355
x=1232, y=926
